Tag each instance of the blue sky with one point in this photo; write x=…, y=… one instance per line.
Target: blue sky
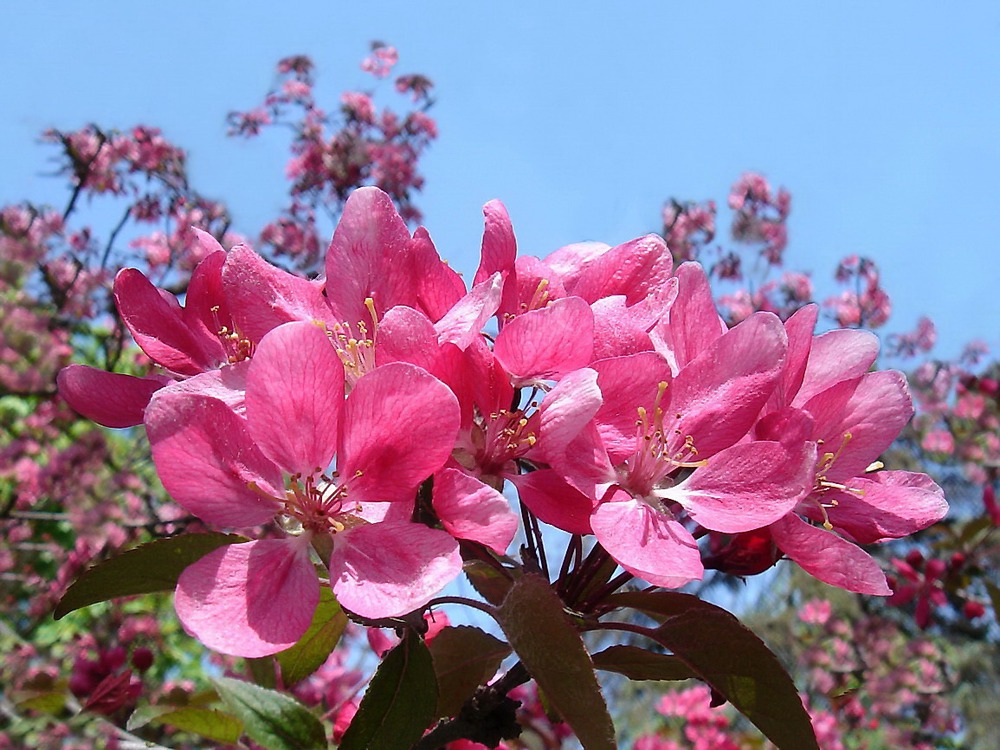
x=882, y=119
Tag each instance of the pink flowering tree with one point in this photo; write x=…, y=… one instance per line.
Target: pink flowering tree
x=333, y=447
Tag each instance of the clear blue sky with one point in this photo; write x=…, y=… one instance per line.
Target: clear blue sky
x=882, y=119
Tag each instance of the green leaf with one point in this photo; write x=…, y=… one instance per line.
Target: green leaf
x=262, y=671
x=639, y=664
x=144, y=715
x=155, y=566
x=400, y=702
x=272, y=720
x=464, y=658
x=211, y=724
x=549, y=646
x=488, y=582
x=731, y=659
x=318, y=642
x=52, y=703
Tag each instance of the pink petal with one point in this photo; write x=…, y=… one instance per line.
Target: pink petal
x=693, y=322
x=569, y=261
x=619, y=330
x=108, y=398
x=469, y=509
x=250, y=600
x=406, y=335
x=826, y=556
x=473, y=376
x=438, y=285
x=295, y=388
x=837, y=355
x=464, y=322
x=158, y=326
x=227, y=385
x=647, y=543
x=565, y=410
x=789, y=425
x=633, y=269
x=872, y=410
x=719, y=393
x=262, y=297
x=887, y=505
x=398, y=427
x=585, y=463
x=554, y=501
x=390, y=569
x=627, y=384
x=499, y=248
x=205, y=305
x=544, y=344
x=207, y=460
x=747, y=486
x=368, y=257
x=799, y=329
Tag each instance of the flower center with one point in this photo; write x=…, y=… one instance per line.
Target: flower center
x=356, y=347
x=316, y=502
x=660, y=449
x=823, y=485
x=236, y=346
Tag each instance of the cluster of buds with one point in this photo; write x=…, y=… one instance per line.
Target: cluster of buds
x=366, y=424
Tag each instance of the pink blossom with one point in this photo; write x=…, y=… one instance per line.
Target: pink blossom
x=381, y=60
x=394, y=430
x=815, y=612
x=938, y=441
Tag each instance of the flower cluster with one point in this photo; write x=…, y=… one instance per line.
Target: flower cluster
x=365, y=423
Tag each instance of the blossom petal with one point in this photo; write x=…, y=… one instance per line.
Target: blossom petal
x=398, y=427
x=565, y=410
x=619, y=330
x=250, y=600
x=205, y=304
x=499, y=249
x=747, y=486
x=692, y=323
x=368, y=257
x=262, y=296
x=554, y=501
x=858, y=419
x=406, y=335
x=390, y=569
x=469, y=509
x=463, y=323
x=158, y=326
x=720, y=393
x=799, y=330
x=886, y=505
x=108, y=398
x=824, y=555
x=295, y=388
x=633, y=269
x=208, y=461
x=549, y=342
x=438, y=286
x=647, y=543
x=837, y=355
x=628, y=383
